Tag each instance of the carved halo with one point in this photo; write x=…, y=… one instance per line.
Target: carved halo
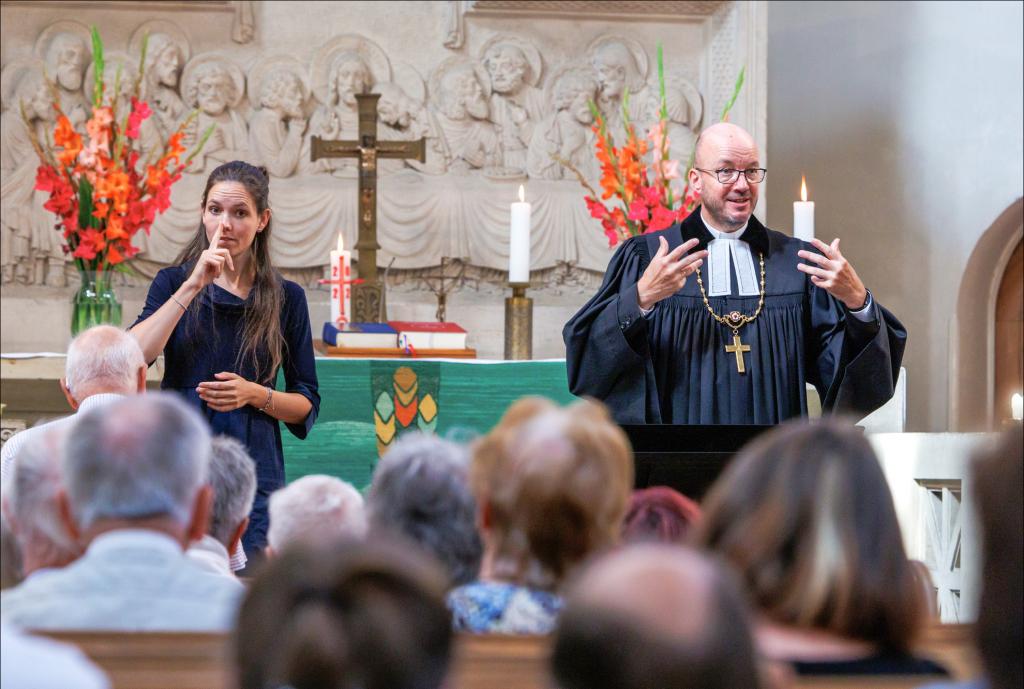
x=129, y=70
x=161, y=26
x=372, y=55
x=410, y=81
x=528, y=49
x=47, y=36
x=634, y=47
x=456, y=62
x=14, y=76
x=692, y=96
x=188, y=76
x=267, y=66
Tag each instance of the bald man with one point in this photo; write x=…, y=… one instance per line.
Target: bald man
x=655, y=616
x=764, y=314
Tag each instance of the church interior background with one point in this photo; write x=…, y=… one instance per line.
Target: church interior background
x=905, y=119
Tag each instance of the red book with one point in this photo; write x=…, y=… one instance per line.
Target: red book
x=429, y=335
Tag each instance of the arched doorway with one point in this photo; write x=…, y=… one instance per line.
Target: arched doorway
x=1009, y=344
x=972, y=400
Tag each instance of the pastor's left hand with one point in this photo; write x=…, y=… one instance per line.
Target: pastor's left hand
x=229, y=392
x=833, y=273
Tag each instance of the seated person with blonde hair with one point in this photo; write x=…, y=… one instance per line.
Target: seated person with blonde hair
x=551, y=486
x=314, y=509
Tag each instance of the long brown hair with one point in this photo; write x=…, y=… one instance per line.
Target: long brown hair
x=805, y=516
x=262, y=341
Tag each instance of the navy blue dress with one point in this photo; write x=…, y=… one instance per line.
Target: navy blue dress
x=206, y=341
x=672, y=367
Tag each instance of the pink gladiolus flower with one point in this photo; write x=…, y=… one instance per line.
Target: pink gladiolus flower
x=596, y=208
x=638, y=211
x=670, y=169
x=140, y=111
x=656, y=134
x=651, y=196
x=660, y=219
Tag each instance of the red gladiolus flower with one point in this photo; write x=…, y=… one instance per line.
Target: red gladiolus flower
x=638, y=211
x=660, y=219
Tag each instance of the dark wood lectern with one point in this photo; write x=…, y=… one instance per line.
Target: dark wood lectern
x=686, y=458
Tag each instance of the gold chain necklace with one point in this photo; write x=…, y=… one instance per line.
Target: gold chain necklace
x=735, y=320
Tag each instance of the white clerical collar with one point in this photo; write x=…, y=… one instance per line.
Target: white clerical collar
x=719, y=251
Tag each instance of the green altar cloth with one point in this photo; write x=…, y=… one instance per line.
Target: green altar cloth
x=360, y=396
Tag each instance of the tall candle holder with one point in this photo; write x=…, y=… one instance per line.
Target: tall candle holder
x=518, y=323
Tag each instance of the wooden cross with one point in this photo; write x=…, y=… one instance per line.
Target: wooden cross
x=738, y=348
x=368, y=297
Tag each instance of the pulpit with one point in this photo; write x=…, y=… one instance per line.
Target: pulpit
x=687, y=458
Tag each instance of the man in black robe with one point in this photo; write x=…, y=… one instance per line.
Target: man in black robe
x=659, y=348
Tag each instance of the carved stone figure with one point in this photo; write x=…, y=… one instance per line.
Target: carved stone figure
x=403, y=118
x=31, y=247
x=619, y=64
x=516, y=105
x=67, y=56
x=461, y=94
x=566, y=132
x=338, y=116
x=164, y=60
x=112, y=63
x=215, y=85
x=685, y=108
x=278, y=90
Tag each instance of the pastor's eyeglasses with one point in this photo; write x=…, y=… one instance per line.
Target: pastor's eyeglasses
x=754, y=175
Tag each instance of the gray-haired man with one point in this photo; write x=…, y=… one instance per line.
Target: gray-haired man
x=103, y=365
x=135, y=476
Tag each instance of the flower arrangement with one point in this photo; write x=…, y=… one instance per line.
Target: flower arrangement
x=647, y=200
x=101, y=186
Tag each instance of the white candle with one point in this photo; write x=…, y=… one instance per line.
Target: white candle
x=341, y=290
x=803, y=215
x=1017, y=407
x=519, y=241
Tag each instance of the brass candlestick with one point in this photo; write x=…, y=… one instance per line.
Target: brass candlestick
x=518, y=323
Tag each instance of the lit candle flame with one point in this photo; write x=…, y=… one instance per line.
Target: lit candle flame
x=341, y=243
x=803, y=188
x=522, y=194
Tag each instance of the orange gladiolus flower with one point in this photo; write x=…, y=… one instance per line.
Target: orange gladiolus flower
x=65, y=136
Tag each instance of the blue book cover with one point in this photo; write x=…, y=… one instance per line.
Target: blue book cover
x=379, y=335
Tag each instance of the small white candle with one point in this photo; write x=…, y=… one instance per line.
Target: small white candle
x=519, y=241
x=803, y=215
x=341, y=290
x=1017, y=407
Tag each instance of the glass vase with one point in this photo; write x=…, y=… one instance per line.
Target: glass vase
x=95, y=302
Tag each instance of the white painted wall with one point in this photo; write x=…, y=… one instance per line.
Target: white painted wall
x=907, y=120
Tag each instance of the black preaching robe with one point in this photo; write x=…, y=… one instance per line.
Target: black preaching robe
x=672, y=367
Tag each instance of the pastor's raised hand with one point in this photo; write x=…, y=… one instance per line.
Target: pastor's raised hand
x=667, y=272
x=833, y=273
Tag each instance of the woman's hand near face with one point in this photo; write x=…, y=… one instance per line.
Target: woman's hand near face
x=211, y=262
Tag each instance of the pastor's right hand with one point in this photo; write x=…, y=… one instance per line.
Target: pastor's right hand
x=667, y=272
x=211, y=262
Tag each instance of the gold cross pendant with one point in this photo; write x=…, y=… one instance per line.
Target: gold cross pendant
x=738, y=348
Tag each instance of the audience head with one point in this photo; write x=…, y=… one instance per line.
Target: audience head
x=33, y=507
x=998, y=477
x=659, y=514
x=233, y=480
x=103, y=359
x=551, y=486
x=655, y=615
x=358, y=614
x=314, y=509
x=805, y=516
x=10, y=558
x=138, y=463
x=420, y=490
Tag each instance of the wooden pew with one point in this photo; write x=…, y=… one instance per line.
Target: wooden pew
x=157, y=660
x=500, y=662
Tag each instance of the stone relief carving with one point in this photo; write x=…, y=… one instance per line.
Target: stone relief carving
x=492, y=118
x=278, y=90
x=64, y=46
x=215, y=85
x=461, y=90
x=29, y=244
x=516, y=104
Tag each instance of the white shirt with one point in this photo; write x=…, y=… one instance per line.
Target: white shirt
x=128, y=580
x=17, y=441
x=211, y=555
x=29, y=661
